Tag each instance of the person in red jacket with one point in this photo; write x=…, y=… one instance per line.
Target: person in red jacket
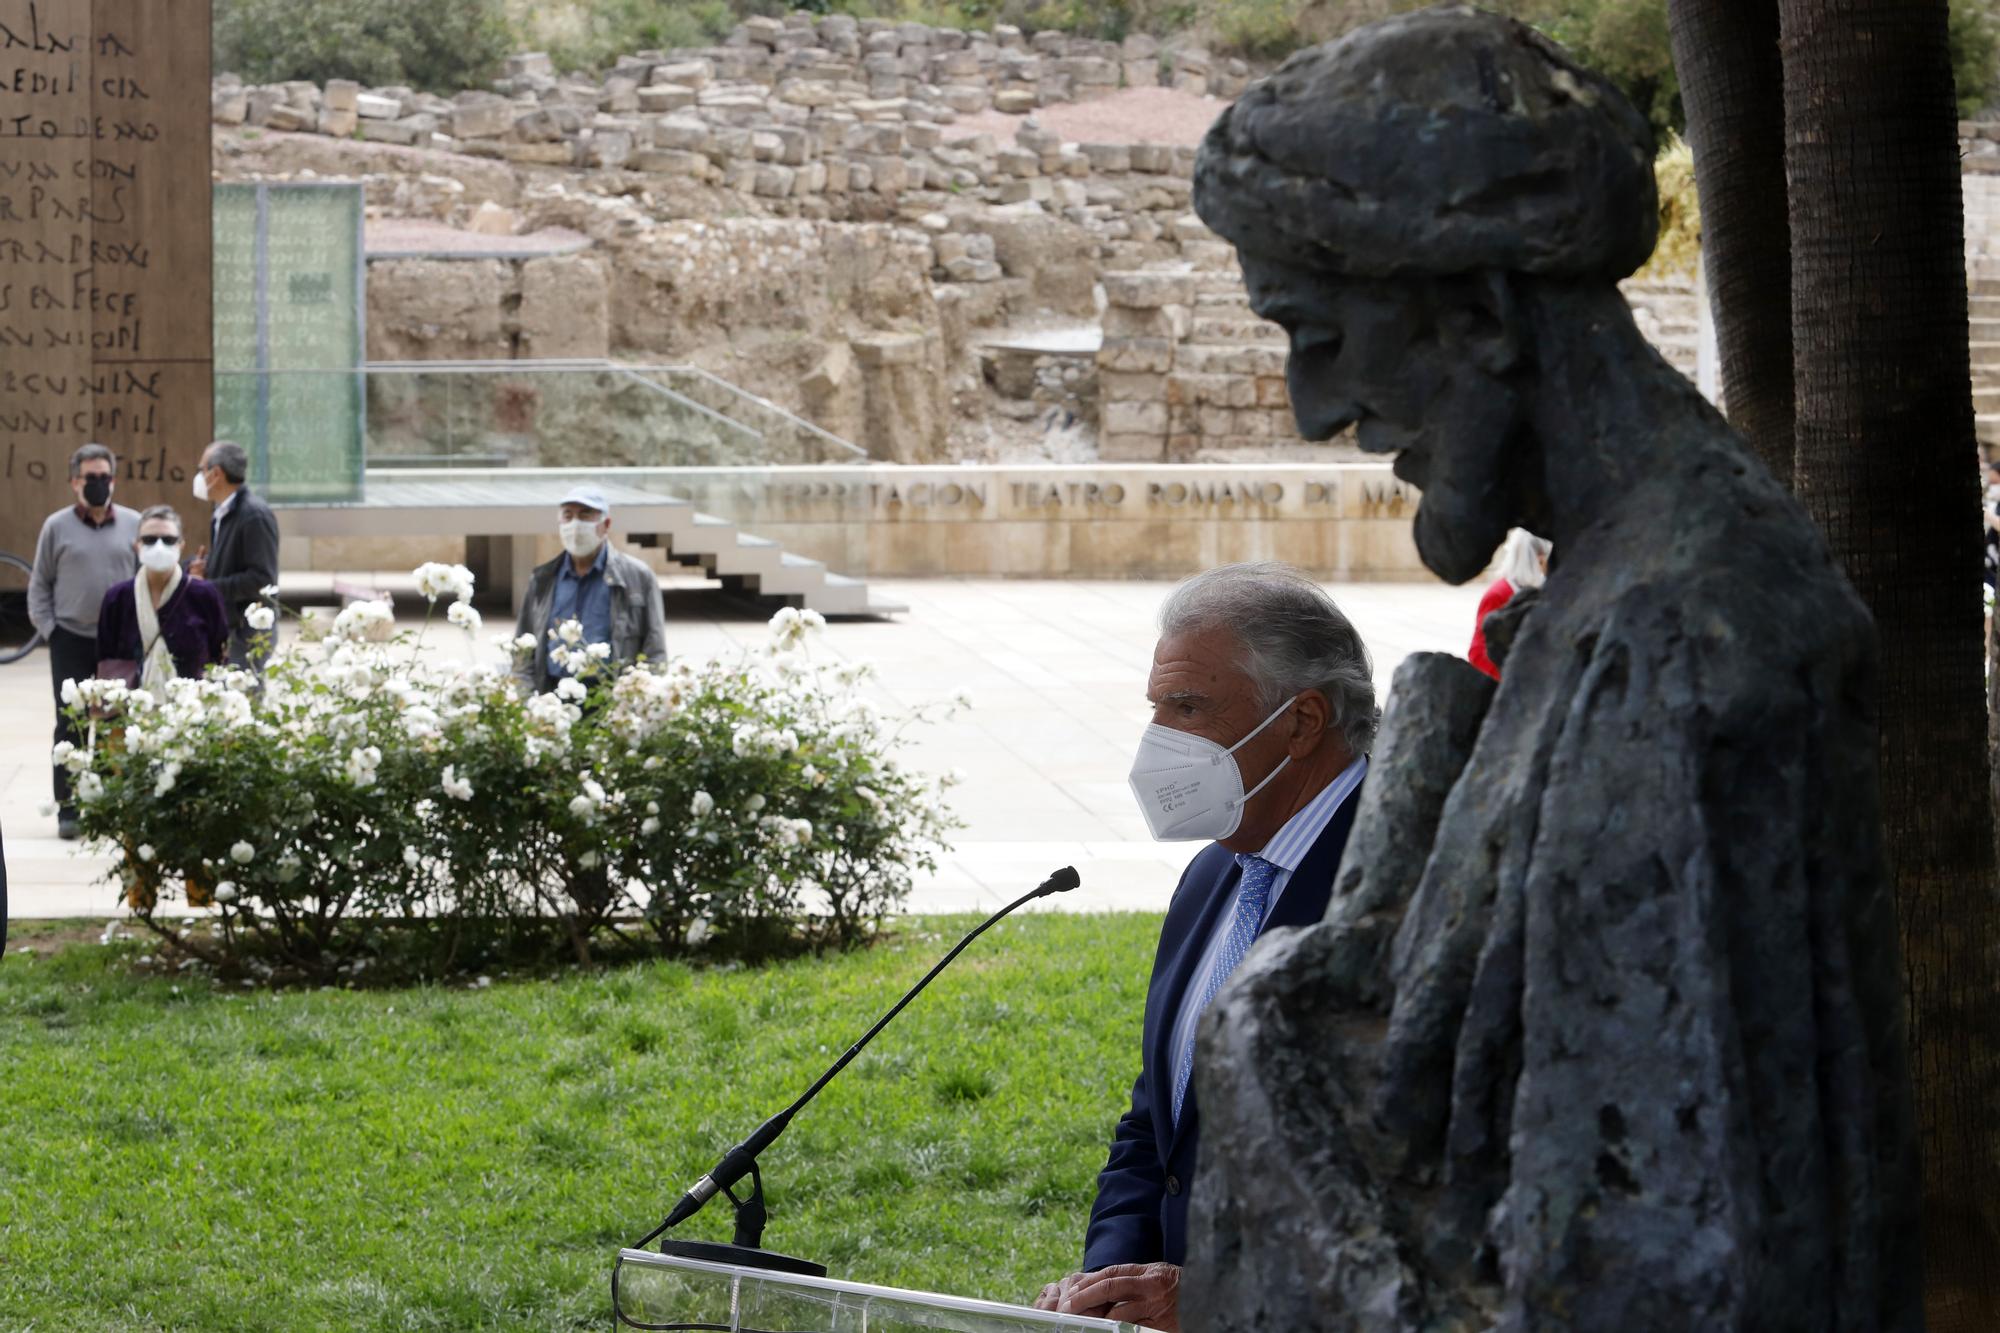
x=1524, y=563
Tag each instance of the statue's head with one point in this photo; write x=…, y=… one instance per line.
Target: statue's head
x=1388, y=195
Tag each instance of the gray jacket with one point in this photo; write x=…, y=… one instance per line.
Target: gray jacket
x=638, y=616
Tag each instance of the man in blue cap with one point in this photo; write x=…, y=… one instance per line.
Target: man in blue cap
x=615, y=598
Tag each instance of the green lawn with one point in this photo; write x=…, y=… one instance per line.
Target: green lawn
x=180, y=1156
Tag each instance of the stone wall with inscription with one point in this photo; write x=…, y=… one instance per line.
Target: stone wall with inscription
x=104, y=248
x=1341, y=521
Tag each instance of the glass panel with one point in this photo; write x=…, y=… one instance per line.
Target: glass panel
x=656, y=1290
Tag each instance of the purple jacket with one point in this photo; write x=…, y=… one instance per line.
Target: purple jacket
x=194, y=622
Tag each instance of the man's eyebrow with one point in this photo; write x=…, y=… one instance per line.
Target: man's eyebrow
x=1180, y=697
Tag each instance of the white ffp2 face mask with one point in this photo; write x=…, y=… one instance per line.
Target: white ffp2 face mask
x=579, y=537
x=160, y=557
x=1189, y=787
x=201, y=485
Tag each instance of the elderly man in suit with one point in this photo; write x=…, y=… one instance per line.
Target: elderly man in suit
x=241, y=558
x=1263, y=714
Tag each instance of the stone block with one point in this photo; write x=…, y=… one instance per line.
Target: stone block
x=807, y=93
x=373, y=106
x=955, y=67
x=285, y=116
x=1152, y=158
x=1194, y=85
x=1141, y=73
x=695, y=74
x=860, y=178
x=1116, y=448
x=887, y=175
x=763, y=31
x=837, y=175
x=1016, y=101
x=530, y=64
x=671, y=162
x=302, y=93
x=1148, y=290
x=765, y=145
x=229, y=106
x=684, y=133
x=1167, y=321
x=392, y=131
x=560, y=154
x=606, y=148
x=482, y=120
x=1007, y=37
x=885, y=108
x=339, y=124
x=656, y=98
x=1107, y=157
x=967, y=99
x=1017, y=162
x=340, y=95
x=548, y=124
x=890, y=349
x=1133, y=417
x=775, y=181
x=811, y=179
x=1124, y=386
x=1154, y=356
x=923, y=134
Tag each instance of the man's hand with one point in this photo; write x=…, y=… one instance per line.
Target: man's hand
x=1146, y=1294
x=198, y=567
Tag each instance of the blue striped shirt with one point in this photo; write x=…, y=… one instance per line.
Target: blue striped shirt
x=1287, y=851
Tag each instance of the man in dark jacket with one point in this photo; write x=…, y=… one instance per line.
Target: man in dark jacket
x=614, y=598
x=241, y=558
x=1263, y=713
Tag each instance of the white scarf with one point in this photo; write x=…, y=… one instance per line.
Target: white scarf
x=156, y=666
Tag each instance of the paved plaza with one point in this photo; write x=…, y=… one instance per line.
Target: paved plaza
x=1057, y=675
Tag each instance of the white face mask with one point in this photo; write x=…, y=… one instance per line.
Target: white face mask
x=579, y=537
x=1189, y=788
x=201, y=485
x=160, y=557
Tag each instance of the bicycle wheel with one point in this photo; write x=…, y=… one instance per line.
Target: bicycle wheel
x=18, y=635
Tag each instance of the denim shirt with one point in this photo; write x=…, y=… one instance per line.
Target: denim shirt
x=586, y=599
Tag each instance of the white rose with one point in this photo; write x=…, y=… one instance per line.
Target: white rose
x=260, y=617
x=571, y=690
x=600, y=651
x=225, y=892
x=649, y=827
x=89, y=786
x=570, y=632
x=702, y=804
x=462, y=615
x=455, y=786
x=145, y=851
x=269, y=591
x=582, y=807
x=524, y=644
x=242, y=853
x=60, y=755
x=588, y=860
x=754, y=804
x=410, y=857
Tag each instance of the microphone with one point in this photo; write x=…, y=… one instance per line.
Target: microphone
x=741, y=1160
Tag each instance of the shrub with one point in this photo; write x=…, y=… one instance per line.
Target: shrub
x=441, y=47
x=368, y=806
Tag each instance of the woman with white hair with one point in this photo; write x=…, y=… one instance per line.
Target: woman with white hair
x=1524, y=563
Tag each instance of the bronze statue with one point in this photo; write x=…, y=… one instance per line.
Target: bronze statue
x=1602, y=1029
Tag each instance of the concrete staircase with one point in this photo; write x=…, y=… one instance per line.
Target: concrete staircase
x=757, y=566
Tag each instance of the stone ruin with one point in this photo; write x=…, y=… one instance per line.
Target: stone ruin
x=801, y=211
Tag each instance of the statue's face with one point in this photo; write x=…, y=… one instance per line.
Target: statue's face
x=1415, y=365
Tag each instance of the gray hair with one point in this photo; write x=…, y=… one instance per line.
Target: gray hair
x=164, y=513
x=1294, y=639
x=229, y=456
x=1521, y=559
x=86, y=454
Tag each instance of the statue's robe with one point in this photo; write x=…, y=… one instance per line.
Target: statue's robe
x=1601, y=1031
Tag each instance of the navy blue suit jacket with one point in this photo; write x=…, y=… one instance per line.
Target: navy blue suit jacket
x=1142, y=1194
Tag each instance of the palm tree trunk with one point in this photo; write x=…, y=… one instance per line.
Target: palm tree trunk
x=1885, y=461
x=1732, y=83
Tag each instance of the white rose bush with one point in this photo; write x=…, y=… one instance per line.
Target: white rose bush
x=369, y=805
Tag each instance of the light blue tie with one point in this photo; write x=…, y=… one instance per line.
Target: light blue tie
x=1253, y=895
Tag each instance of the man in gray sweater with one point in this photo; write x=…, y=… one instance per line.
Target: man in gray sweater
x=83, y=550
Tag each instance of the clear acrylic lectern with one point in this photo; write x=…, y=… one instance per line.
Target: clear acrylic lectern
x=657, y=1291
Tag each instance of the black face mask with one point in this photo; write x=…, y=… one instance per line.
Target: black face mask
x=96, y=490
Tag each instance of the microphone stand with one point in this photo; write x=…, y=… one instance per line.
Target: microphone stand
x=746, y=1248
